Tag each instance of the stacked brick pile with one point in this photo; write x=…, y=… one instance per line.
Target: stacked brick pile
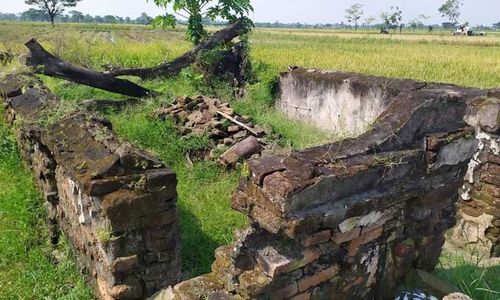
x=234, y=136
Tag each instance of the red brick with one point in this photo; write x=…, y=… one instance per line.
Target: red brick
x=364, y=239
x=274, y=264
x=494, y=158
x=340, y=237
x=310, y=255
x=285, y=292
x=357, y=281
x=402, y=249
x=491, y=178
x=303, y=296
x=491, y=190
x=311, y=281
x=317, y=238
x=493, y=169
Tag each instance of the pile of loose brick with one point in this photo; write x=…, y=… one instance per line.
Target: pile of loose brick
x=234, y=137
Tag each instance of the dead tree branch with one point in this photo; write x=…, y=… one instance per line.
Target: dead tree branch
x=175, y=67
x=55, y=67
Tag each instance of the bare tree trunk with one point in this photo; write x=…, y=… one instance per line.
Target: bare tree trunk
x=175, y=67
x=55, y=67
x=52, y=17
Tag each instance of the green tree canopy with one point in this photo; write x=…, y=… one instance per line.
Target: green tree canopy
x=393, y=18
x=76, y=16
x=196, y=10
x=52, y=7
x=451, y=10
x=418, y=22
x=369, y=20
x=34, y=15
x=354, y=14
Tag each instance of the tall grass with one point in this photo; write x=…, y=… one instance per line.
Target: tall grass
x=204, y=188
x=462, y=64
x=26, y=268
x=471, y=273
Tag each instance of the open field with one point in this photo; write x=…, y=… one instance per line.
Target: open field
x=492, y=38
x=204, y=188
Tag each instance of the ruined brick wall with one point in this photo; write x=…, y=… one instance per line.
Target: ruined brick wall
x=116, y=204
x=346, y=220
x=349, y=220
x=308, y=94
x=479, y=206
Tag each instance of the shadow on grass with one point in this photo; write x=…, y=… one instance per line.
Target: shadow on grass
x=198, y=248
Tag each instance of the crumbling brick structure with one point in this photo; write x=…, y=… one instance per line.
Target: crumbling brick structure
x=479, y=205
x=348, y=220
x=115, y=203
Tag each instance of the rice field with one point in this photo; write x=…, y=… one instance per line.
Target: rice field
x=469, y=61
x=204, y=189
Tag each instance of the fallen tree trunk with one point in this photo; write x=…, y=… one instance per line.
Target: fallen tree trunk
x=175, y=67
x=55, y=67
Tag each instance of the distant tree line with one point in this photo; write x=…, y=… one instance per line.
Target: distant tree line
x=35, y=15
x=368, y=23
x=38, y=15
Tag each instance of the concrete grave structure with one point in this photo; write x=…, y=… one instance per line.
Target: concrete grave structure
x=346, y=220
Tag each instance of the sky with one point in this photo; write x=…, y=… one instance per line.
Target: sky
x=304, y=11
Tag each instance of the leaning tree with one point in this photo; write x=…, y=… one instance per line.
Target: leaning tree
x=195, y=11
x=451, y=10
x=52, y=7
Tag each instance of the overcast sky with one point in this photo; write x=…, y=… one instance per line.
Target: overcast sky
x=304, y=11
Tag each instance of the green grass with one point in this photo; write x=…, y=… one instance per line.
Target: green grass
x=470, y=276
x=204, y=188
x=26, y=270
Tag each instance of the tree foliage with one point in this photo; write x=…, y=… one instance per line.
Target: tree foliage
x=418, y=22
x=393, y=18
x=354, y=14
x=451, y=10
x=196, y=10
x=370, y=20
x=52, y=7
x=34, y=15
